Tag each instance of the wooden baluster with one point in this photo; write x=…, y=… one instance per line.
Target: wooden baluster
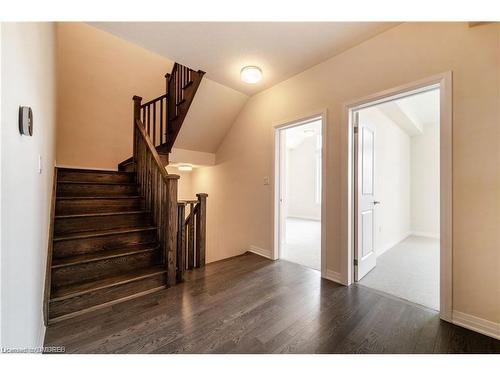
x=201, y=220
x=149, y=119
x=161, y=121
x=154, y=123
x=190, y=237
x=181, y=241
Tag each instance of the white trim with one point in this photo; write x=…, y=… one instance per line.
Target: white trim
x=444, y=81
x=333, y=276
x=41, y=332
x=260, y=251
x=280, y=125
x=426, y=234
x=304, y=217
x=80, y=167
x=486, y=327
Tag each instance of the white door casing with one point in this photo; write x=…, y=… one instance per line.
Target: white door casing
x=365, y=257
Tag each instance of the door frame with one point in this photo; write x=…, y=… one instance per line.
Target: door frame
x=277, y=131
x=442, y=81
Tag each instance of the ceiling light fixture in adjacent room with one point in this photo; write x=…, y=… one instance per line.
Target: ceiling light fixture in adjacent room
x=251, y=74
x=185, y=167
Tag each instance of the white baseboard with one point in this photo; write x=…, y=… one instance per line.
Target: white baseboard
x=486, y=327
x=426, y=234
x=41, y=333
x=333, y=276
x=260, y=251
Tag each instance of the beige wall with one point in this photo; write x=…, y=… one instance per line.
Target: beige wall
x=240, y=205
x=300, y=174
x=28, y=76
x=98, y=74
x=425, y=182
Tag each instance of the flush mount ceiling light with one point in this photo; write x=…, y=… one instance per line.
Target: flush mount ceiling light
x=185, y=167
x=251, y=74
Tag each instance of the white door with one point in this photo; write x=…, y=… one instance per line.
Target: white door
x=364, y=253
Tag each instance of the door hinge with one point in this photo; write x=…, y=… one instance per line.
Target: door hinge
x=355, y=122
x=355, y=262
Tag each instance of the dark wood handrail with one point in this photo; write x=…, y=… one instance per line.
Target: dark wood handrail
x=159, y=190
x=191, y=234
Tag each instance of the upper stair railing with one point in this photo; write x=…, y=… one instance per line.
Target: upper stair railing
x=163, y=116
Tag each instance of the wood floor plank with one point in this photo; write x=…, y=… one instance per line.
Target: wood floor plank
x=249, y=304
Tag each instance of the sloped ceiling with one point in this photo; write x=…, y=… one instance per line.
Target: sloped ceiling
x=280, y=49
x=210, y=116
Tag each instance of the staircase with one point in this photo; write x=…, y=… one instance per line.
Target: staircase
x=118, y=235
x=105, y=248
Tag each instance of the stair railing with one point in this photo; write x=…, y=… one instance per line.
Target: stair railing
x=163, y=116
x=191, y=234
x=159, y=190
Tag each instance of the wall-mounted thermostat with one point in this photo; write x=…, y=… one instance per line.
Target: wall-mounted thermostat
x=26, y=121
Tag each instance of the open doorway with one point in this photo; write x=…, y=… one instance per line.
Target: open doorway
x=299, y=179
x=397, y=191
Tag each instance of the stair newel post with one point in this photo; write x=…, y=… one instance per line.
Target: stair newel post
x=201, y=229
x=170, y=242
x=137, y=116
x=181, y=240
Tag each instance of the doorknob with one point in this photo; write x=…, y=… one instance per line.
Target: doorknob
x=376, y=202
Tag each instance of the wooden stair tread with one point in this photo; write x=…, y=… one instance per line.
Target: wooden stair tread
x=104, y=254
x=101, y=233
x=187, y=85
x=111, y=213
x=77, y=289
x=99, y=197
x=97, y=183
x=83, y=170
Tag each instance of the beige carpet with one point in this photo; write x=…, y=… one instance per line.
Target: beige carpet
x=409, y=270
x=303, y=242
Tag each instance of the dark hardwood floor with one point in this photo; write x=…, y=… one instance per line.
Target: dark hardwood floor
x=249, y=304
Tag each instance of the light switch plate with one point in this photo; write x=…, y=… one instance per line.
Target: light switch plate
x=40, y=164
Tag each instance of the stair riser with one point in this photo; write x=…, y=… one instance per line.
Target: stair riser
x=94, y=176
x=98, y=297
x=80, y=246
x=94, y=190
x=87, y=206
x=103, y=268
x=80, y=224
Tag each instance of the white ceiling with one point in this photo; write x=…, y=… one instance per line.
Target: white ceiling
x=423, y=108
x=221, y=49
x=413, y=112
x=296, y=135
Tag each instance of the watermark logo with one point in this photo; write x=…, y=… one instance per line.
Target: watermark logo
x=38, y=349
